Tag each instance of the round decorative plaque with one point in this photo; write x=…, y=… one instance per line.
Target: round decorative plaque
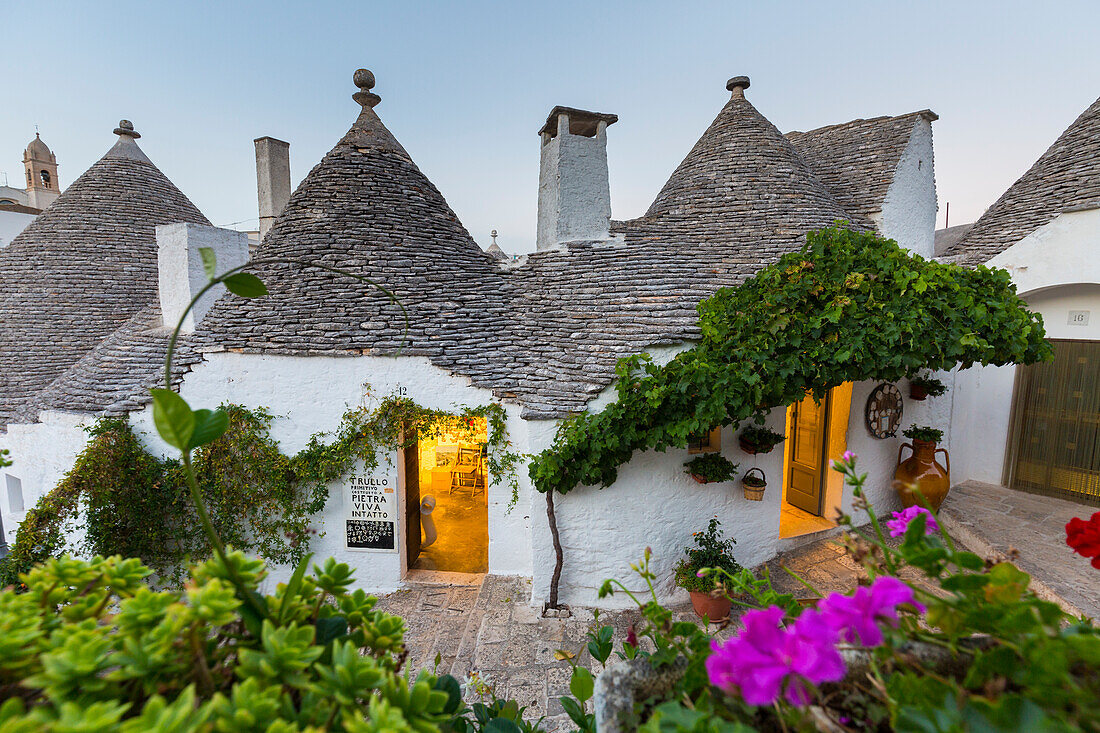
x=884, y=408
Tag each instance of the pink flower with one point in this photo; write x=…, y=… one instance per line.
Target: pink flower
x=632, y=636
x=848, y=457
x=901, y=520
x=759, y=659
x=856, y=618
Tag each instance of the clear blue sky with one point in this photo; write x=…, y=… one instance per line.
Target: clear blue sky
x=466, y=86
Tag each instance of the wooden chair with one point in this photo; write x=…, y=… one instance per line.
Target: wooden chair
x=466, y=471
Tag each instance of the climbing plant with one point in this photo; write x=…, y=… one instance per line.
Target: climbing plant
x=848, y=306
x=259, y=500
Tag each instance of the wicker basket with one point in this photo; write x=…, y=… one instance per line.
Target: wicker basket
x=754, y=493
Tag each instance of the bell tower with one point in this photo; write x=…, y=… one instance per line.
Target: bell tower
x=41, y=166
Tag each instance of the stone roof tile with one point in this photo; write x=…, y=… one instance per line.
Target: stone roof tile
x=1065, y=177
x=81, y=269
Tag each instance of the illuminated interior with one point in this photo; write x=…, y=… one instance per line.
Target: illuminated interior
x=454, y=476
x=829, y=438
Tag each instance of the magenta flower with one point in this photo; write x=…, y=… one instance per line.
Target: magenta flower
x=848, y=457
x=856, y=618
x=901, y=520
x=759, y=659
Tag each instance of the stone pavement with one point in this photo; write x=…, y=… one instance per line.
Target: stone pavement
x=993, y=519
x=492, y=630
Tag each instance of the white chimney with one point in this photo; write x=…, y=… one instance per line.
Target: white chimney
x=574, y=194
x=181, y=271
x=272, y=179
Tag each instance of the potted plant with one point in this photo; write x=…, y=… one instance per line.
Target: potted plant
x=753, y=484
x=922, y=386
x=759, y=439
x=711, y=550
x=710, y=468
x=921, y=471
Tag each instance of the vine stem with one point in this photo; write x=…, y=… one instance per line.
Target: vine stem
x=558, y=557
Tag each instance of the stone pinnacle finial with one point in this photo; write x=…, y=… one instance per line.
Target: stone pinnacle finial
x=364, y=79
x=738, y=85
x=125, y=127
x=493, y=234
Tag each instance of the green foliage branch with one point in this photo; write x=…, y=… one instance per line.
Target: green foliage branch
x=711, y=550
x=849, y=306
x=90, y=647
x=923, y=432
x=711, y=467
x=932, y=386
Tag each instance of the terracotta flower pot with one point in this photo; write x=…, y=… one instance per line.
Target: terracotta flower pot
x=700, y=479
x=918, y=392
x=713, y=609
x=923, y=471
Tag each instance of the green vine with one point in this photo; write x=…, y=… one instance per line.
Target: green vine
x=258, y=500
x=849, y=306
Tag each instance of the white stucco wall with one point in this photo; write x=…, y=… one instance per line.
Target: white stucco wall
x=1056, y=269
x=655, y=504
x=11, y=224
x=310, y=394
x=908, y=213
x=41, y=455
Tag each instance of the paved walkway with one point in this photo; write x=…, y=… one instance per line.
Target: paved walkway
x=492, y=631
x=992, y=519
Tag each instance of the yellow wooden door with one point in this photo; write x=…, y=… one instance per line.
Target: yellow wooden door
x=806, y=467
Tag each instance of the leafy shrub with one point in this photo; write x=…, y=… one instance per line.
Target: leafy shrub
x=89, y=646
x=967, y=648
x=849, y=306
x=760, y=438
x=923, y=432
x=711, y=467
x=711, y=550
x=929, y=384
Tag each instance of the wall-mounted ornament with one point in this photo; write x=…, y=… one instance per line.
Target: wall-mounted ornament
x=884, y=408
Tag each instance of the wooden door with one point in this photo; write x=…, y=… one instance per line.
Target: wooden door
x=412, y=503
x=1054, y=443
x=806, y=469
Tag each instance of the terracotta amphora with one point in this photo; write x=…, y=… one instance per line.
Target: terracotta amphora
x=921, y=469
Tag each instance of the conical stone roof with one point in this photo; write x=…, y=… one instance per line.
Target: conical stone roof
x=82, y=268
x=744, y=172
x=1066, y=176
x=365, y=208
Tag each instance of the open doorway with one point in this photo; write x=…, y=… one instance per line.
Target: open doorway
x=447, y=522
x=816, y=434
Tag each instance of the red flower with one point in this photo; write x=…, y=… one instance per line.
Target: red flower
x=1084, y=537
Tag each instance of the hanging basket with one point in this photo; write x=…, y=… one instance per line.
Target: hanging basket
x=754, y=485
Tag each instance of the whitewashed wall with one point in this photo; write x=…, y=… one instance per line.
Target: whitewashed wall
x=1056, y=269
x=655, y=504
x=41, y=455
x=908, y=213
x=310, y=394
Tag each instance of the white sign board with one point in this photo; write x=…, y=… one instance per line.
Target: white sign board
x=370, y=512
